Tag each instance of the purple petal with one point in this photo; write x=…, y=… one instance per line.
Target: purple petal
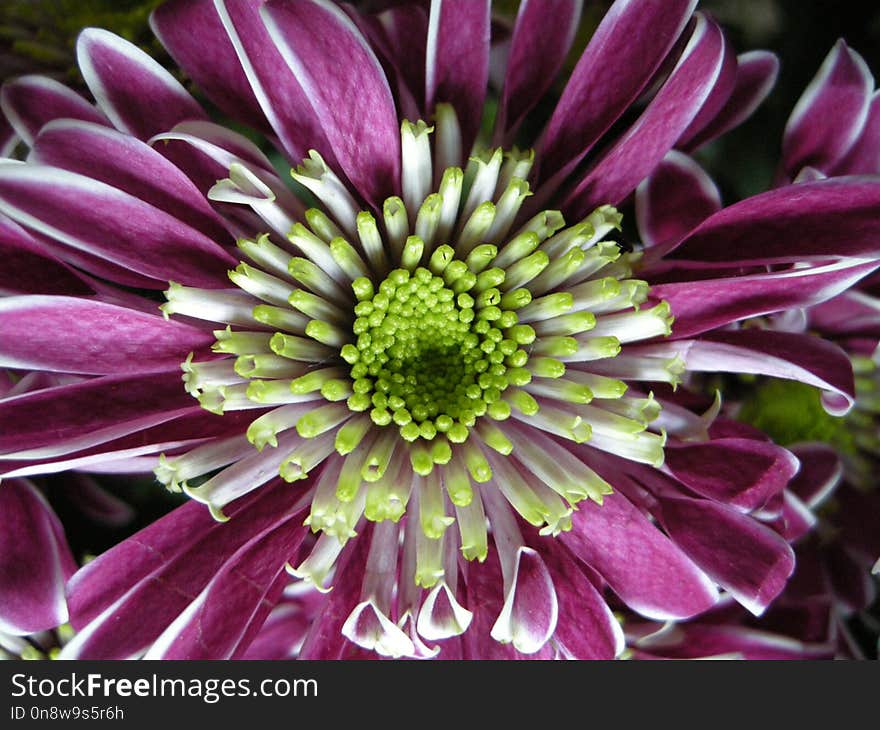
x=643, y=566
x=399, y=35
x=627, y=48
x=863, y=157
x=815, y=220
x=742, y=473
x=666, y=118
x=352, y=101
x=587, y=628
x=699, y=306
x=675, y=199
x=214, y=624
x=717, y=99
x=696, y=641
x=743, y=556
x=30, y=102
x=127, y=164
x=135, y=92
x=35, y=561
x=804, y=358
x=829, y=117
x=193, y=34
x=821, y=471
x=485, y=599
x=100, y=220
x=542, y=37
x=28, y=268
x=188, y=428
x=90, y=412
x=851, y=313
x=125, y=599
x=755, y=77
x=528, y=616
x=65, y=334
x=457, y=60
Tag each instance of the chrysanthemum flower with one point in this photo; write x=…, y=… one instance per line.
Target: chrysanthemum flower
x=447, y=373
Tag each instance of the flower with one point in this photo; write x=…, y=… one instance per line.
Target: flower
x=469, y=385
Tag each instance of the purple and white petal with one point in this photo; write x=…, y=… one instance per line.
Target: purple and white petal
x=30, y=102
x=135, y=92
x=667, y=117
x=457, y=61
x=756, y=75
x=707, y=304
x=542, y=37
x=820, y=473
x=627, y=48
x=352, y=101
x=126, y=164
x=813, y=220
x=641, y=565
x=746, y=558
x=193, y=34
x=71, y=335
x=674, y=199
x=863, y=157
x=103, y=221
x=29, y=268
x=804, y=358
x=830, y=114
x=742, y=473
x=35, y=561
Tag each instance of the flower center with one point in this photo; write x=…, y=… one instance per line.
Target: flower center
x=433, y=350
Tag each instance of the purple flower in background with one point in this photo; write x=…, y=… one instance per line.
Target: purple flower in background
x=431, y=376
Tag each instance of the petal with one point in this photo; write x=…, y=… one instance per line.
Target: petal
x=666, y=118
x=29, y=268
x=830, y=114
x=587, y=629
x=352, y=102
x=126, y=164
x=835, y=217
x=100, y=220
x=193, y=34
x=530, y=610
x=821, y=471
x=65, y=334
x=804, y=358
x=8, y=138
x=796, y=517
x=643, y=566
x=863, y=157
x=30, y=102
x=629, y=45
x=35, y=561
x=457, y=60
x=851, y=313
x=743, y=556
x=742, y=473
x=756, y=75
x=71, y=417
x=674, y=199
x=542, y=37
x=700, y=306
x=135, y=92
x=484, y=597
x=214, y=624
x=122, y=601
x=703, y=641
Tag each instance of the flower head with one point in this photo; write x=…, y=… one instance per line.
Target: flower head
x=441, y=382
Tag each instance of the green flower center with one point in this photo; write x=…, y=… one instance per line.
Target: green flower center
x=426, y=358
